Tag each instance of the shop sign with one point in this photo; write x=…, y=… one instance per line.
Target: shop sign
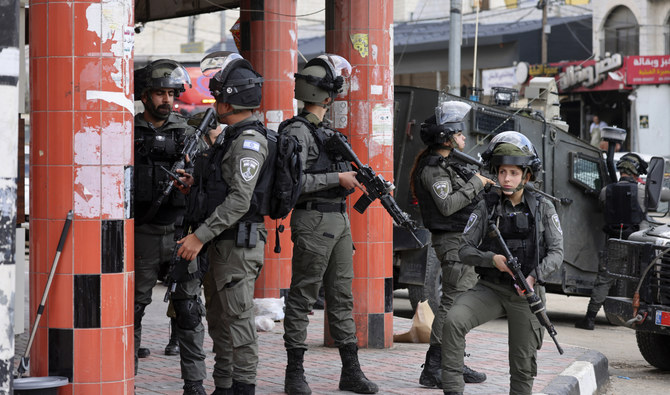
x=648, y=70
x=588, y=76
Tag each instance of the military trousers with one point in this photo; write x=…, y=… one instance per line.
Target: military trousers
x=601, y=287
x=322, y=253
x=230, y=310
x=456, y=279
x=154, y=245
x=483, y=303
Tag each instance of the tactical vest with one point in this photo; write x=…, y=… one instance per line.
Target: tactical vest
x=155, y=148
x=433, y=220
x=210, y=188
x=326, y=162
x=520, y=232
x=623, y=213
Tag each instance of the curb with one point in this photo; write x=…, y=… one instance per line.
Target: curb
x=584, y=376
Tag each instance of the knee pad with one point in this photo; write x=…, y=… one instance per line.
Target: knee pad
x=188, y=313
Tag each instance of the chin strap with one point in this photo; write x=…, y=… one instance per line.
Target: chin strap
x=225, y=114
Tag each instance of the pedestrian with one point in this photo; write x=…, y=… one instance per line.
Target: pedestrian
x=321, y=231
x=159, y=139
x=447, y=191
x=625, y=213
x=595, y=130
x=231, y=181
x=530, y=226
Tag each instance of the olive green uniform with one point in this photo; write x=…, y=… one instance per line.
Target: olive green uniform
x=234, y=269
x=603, y=281
x=154, y=246
x=322, y=252
x=450, y=194
x=495, y=296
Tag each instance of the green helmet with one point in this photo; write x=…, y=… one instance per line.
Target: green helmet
x=512, y=148
x=632, y=164
x=322, y=77
x=159, y=74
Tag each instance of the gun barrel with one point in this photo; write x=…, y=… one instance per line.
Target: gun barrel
x=463, y=157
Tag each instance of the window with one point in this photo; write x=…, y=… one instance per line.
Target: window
x=586, y=171
x=622, y=32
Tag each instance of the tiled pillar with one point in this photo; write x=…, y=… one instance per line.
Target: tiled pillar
x=81, y=160
x=270, y=42
x=362, y=33
x=9, y=121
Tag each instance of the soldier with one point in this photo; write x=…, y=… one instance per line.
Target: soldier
x=447, y=192
x=232, y=182
x=320, y=230
x=530, y=226
x=159, y=135
x=624, y=209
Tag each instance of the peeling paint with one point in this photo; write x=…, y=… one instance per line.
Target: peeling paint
x=112, y=97
x=112, y=192
x=7, y=351
x=87, y=191
x=293, y=35
x=374, y=52
x=116, y=142
x=127, y=191
x=87, y=146
x=354, y=85
x=376, y=89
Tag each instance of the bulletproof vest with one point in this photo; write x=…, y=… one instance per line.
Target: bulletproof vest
x=327, y=161
x=155, y=148
x=623, y=213
x=210, y=188
x=433, y=220
x=519, y=230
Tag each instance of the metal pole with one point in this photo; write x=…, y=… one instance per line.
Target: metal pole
x=474, y=62
x=455, y=38
x=544, y=34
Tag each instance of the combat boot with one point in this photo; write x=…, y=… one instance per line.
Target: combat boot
x=294, y=381
x=143, y=352
x=432, y=368
x=172, y=347
x=223, y=391
x=243, y=388
x=194, y=388
x=472, y=376
x=352, y=377
x=588, y=322
x=452, y=393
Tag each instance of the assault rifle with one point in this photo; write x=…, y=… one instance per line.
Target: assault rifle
x=178, y=266
x=375, y=185
x=534, y=301
x=465, y=158
x=191, y=148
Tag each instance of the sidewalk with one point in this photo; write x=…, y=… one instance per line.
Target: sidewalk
x=395, y=370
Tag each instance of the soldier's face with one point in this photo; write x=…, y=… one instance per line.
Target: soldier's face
x=158, y=102
x=509, y=177
x=459, y=140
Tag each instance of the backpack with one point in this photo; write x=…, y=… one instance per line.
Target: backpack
x=287, y=173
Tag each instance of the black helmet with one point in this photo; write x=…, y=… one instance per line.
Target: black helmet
x=448, y=119
x=233, y=80
x=512, y=148
x=322, y=77
x=632, y=164
x=162, y=73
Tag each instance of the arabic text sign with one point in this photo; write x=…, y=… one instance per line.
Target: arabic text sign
x=648, y=70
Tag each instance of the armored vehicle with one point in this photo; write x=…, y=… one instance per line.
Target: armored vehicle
x=640, y=296
x=573, y=172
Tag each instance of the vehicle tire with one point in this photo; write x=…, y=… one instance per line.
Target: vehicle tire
x=655, y=349
x=432, y=288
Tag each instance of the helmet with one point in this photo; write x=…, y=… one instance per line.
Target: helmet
x=512, y=148
x=448, y=119
x=233, y=80
x=162, y=73
x=632, y=164
x=322, y=77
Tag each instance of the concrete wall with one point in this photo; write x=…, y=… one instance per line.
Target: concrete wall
x=652, y=100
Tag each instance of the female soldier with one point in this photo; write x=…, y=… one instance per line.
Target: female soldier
x=447, y=192
x=530, y=226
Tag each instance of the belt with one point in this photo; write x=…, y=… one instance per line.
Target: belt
x=245, y=234
x=323, y=207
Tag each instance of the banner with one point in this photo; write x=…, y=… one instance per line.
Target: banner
x=648, y=70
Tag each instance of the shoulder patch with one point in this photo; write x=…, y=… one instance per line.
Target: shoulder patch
x=251, y=145
x=441, y=189
x=249, y=167
x=557, y=223
x=248, y=132
x=471, y=221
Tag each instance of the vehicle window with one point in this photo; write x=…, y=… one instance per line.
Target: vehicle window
x=585, y=171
